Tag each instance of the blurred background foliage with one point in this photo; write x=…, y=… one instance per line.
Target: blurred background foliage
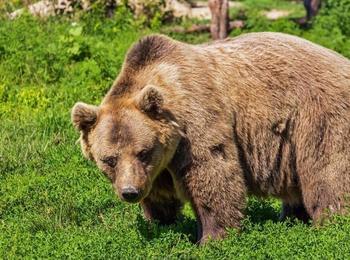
x=55, y=204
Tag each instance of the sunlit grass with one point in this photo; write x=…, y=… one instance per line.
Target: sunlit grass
x=55, y=204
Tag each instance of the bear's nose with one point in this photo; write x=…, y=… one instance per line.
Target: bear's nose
x=130, y=194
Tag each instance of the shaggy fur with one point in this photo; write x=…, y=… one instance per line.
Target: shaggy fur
x=262, y=113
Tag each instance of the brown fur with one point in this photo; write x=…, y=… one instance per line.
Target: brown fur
x=263, y=113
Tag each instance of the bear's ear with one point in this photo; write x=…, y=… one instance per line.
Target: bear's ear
x=150, y=100
x=84, y=116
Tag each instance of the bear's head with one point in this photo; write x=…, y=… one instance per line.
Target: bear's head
x=133, y=135
x=130, y=139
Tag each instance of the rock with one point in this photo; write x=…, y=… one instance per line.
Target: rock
x=47, y=8
x=177, y=8
x=42, y=8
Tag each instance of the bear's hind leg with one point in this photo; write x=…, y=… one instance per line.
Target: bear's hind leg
x=322, y=162
x=321, y=200
x=325, y=188
x=162, y=203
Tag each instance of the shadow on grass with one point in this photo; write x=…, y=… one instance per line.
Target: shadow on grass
x=153, y=230
x=258, y=211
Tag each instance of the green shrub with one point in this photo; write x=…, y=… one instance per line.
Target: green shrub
x=330, y=28
x=336, y=13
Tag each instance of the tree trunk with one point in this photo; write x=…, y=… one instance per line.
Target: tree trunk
x=312, y=7
x=219, y=18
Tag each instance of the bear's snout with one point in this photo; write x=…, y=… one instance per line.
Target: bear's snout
x=130, y=194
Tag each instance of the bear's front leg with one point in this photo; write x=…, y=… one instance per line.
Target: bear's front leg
x=162, y=203
x=216, y=189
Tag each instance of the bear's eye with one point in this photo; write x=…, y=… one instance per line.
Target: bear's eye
x=145, y=155
x=111, y=161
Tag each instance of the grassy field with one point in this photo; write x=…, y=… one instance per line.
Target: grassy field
x=55, y=204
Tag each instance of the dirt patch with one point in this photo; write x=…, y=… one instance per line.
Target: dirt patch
x=275, y=14
x=201, y=10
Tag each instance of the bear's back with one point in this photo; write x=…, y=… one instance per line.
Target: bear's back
x=283, y=56
x=278, y=70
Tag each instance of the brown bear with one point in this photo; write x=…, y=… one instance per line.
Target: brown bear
x=263, y=113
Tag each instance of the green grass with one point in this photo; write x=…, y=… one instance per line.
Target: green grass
x=55, y=204
x=295, y=7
